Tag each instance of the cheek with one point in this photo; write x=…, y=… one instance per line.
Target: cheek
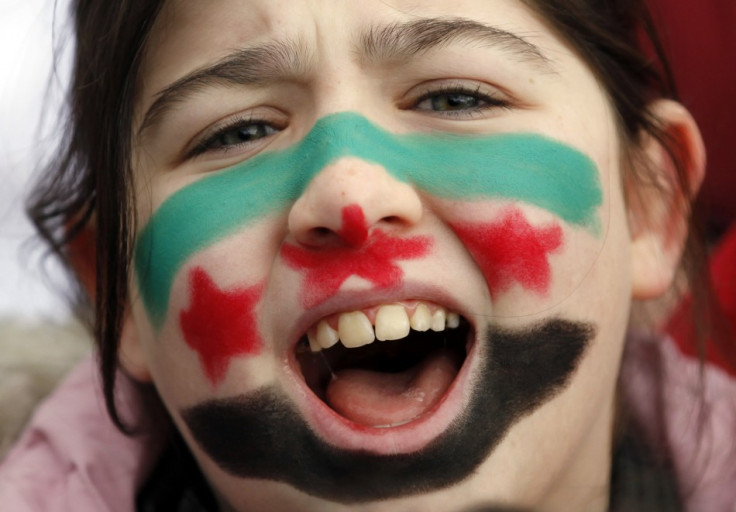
x=530, y=259
x=510, y=251
x=213, y=324
x=220, y=324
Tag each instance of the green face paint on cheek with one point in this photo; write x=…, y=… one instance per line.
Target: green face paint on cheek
x=524, y=167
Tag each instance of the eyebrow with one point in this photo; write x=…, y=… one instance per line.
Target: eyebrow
x=402, y=41
x=263, y=64
x=257, y=65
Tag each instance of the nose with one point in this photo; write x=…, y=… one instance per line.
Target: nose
x=349, y=198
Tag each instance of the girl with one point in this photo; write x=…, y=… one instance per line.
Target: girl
x=374, y=255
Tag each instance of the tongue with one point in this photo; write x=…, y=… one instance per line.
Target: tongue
x=381, y=399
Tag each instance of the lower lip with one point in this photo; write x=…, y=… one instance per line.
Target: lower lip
x=405, y=438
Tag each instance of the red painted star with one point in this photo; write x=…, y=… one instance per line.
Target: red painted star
x=354, y=229
x=512, y=250
x=327, y=268
x=219, y=324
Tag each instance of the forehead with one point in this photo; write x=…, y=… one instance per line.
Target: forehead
x=188, y=35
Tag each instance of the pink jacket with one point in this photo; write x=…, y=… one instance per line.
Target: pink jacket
x=71, y=458
x=699, y=423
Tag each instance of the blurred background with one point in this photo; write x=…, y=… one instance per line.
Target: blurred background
x=29, y=101
x=39, y=340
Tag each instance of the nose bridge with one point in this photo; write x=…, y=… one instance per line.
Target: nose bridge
x=347, y=180
x=347, y=198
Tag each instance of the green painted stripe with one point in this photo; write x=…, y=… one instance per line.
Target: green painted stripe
x=524, y=167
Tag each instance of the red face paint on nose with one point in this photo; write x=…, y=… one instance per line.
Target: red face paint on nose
x=219, y=324
x=326, y=269
x=512, y=250
x=354, y=229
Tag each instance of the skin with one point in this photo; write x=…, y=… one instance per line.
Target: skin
x=553, y=455
x=510, y=251
x=520, y=167
x=219, y=323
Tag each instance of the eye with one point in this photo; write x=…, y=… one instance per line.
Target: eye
x=235, y=134
x=453, y=101
x=459, y=100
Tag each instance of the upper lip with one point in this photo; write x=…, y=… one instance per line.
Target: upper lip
x=354, y=301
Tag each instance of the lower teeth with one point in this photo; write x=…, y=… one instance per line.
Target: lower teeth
x=386, y=360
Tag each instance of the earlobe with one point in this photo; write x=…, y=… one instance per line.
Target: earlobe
x=131, y=354
x=659, y=208
x=81, y=254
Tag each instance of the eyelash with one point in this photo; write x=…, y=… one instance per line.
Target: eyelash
x=491, y=100
x=210, y=141
x=213, y=141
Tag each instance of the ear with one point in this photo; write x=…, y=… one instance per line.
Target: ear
x=659, y=208
x=82, y=255
x=131, y=354
x=82, y=258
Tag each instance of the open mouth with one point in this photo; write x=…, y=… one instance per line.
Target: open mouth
x=295, y=437
x=384, y=366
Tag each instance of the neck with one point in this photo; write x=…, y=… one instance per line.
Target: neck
x=586, y=485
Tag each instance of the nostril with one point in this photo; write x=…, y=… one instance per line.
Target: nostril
x=318, y=237
x=321, y=234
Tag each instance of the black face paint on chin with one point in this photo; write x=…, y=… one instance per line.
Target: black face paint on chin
x=261, y=435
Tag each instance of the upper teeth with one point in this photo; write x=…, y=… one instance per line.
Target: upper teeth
x=391, y=322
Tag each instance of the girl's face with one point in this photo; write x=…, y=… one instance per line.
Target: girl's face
x=383, y=260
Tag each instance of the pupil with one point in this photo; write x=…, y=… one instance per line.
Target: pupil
x=250, y=132
x=455, y=102
x=243, y=134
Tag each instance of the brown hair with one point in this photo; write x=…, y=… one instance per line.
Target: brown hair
x=90, y=182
